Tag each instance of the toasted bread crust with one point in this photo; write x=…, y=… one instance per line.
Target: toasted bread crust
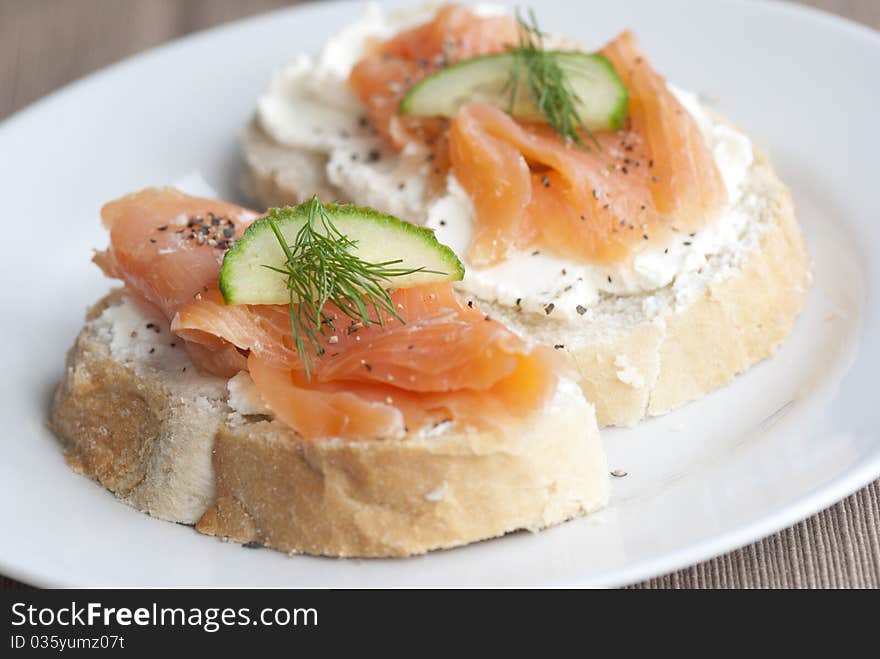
x=396, y=498
x=132, y=432
x=128, y=427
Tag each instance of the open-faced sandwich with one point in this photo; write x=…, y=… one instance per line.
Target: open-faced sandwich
x=599, y=210
x=309, y=380
x=328, y=379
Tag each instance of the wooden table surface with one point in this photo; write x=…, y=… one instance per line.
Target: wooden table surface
x=45, y=44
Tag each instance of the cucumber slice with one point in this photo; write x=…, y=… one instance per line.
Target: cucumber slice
x=601, y=95
x=378, y=238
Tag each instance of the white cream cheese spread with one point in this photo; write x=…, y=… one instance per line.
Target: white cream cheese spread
x=138, y=335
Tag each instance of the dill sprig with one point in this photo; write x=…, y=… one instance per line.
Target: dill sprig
x=547, y=83
x=321, y=267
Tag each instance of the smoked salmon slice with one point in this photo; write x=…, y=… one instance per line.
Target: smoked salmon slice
x=685, y=183
x=531, y=188
x=585, y=205
x=382, y=78
x=444, y=345
x=358, y=410
x=446, y=362
x=168, y=246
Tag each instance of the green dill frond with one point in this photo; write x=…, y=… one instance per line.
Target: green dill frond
x=320, y=268
x=547, y=83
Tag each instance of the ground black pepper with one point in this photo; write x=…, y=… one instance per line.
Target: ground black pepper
x=217, y=231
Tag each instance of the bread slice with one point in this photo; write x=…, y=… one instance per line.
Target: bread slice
x=278, y=176
x=643, y=355
x=134, y=415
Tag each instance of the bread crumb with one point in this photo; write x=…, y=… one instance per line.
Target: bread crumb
x=438, y=493
x=627, y=373
x=244, y=397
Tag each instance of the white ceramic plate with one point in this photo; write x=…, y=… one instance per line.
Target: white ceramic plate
x=790, y=437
